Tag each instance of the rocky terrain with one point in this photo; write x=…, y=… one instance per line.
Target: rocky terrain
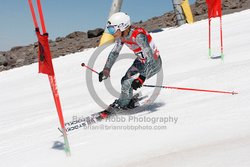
x=78, y=41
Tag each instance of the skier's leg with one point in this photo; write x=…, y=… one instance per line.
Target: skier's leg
x=154, y=68
x=135, y=68
x=126, y=89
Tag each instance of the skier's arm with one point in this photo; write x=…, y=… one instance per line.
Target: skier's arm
x=104, y=74
x=113, y=55
x=147, y=52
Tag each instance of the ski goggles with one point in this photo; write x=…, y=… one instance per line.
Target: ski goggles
x=112, y=29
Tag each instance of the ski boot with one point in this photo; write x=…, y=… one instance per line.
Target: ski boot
x=134, y=102
x=116, y=106
x=111, y=110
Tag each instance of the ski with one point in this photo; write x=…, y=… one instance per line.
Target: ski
x=79, y=123
x=111, y=111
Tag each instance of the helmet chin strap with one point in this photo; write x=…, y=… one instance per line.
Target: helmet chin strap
x=128, y=30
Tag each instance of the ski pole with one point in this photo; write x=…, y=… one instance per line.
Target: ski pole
x=191, y=89
x=84, y=65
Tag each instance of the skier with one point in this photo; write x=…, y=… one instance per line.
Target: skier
x=147, y=63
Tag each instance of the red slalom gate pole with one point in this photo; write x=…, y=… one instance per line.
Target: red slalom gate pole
x=84, y=65
x=51, y=77
x=33, y=13
x=221, y=40
x=39, y=6
x=209, y=38
x=192, y=89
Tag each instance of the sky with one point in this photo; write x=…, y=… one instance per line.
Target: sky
x=64, y=16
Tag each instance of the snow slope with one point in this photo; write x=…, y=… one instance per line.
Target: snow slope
x=212, y=129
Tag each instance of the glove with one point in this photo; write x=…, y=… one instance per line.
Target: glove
x=104, y=74
x=137, y=83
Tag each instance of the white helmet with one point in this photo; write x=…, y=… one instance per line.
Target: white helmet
x=119, y=21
